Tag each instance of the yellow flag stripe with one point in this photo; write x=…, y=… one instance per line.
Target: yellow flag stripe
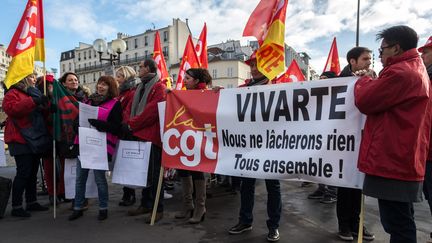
x=276, y=33
x=40, y=50
x=20, y=67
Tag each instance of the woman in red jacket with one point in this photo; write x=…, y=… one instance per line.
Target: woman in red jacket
x=22, y=103
x=195, y=79
x=125, y=77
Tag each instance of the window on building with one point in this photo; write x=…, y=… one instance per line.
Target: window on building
x=89, y=64
x=64, y=55
x=79, y=56
x=230, y=86
x=127, y=57
x=85, y=65
x=84, y=79
x=70, y=66
x=94, y=77
x=145, y=40
x=85, y=55
x=136, y=56
x=165, y=51
x=145, y=53
x=79, y=66
x=63, y=67
x=89, y=54
x=214, y=72
x=136, y=43
x=165, y=35
x=127, y=45
x=230, y=72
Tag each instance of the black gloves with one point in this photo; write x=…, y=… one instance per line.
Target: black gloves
x=41, y=100
x=126, y=133
x=101, y=126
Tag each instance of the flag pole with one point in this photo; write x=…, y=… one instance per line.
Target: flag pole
x=158, y=192
x=358, y=23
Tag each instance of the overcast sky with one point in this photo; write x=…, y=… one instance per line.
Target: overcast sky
x=310, y=24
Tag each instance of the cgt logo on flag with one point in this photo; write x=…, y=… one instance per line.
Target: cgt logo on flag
x=190, y=139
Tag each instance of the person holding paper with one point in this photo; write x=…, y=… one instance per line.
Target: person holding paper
x=144, y=125
x=195, y=79
x=125, y=77
x=65, y=147
x=22, y=103
x=109, y=121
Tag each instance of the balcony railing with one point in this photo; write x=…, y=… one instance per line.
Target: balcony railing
x=102, y=66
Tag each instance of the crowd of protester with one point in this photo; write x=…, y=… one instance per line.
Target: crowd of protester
x=394, y=154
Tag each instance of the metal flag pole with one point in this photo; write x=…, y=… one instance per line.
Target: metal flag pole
x=358, y=23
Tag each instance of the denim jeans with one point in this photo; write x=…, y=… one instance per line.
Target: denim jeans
x=25, y=179
x=427, y=184
x=80, y=187
x=397, y=219
x=274, y=202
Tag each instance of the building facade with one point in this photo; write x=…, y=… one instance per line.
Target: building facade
x=226, y=64
x=84, y=60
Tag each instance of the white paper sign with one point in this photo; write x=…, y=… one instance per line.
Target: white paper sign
x=161, y=112
x=93, y=149
x=70, y=180
x=87, y=112
x=131, y=163
x=2, y=154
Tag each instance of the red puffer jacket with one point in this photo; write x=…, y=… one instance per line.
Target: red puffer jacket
x=146, y=124
x=126, y=99
x=397, y=130
x=18, y=106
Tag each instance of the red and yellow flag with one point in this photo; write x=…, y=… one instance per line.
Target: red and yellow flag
x=27, y=44
x=189, y=60
x=158, y=57
x=267, y=24
x=292, y=74
x=201, y=48
x=332, y=63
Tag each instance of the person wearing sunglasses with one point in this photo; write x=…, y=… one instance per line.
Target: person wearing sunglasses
x=396, y=135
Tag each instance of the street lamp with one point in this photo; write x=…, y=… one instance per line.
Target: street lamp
x=117, y=46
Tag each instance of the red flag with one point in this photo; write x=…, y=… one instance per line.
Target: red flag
x=189, y=60
x=201, y=48
x=267, y=24
x=27, y=44
x=332, y=63
x=158, y=57
x=292, y=74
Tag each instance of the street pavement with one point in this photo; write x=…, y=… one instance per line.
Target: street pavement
x=302, y=220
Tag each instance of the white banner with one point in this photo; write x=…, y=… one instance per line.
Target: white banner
x=2, y=154
x=307, y=130
x=70, y=180
x=131, y=163
x=93, y=149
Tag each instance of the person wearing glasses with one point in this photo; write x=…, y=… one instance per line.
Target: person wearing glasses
x=396, y=135
x=426, y=55
x=349, y=199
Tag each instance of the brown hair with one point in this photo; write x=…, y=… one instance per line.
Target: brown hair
x=112, y=85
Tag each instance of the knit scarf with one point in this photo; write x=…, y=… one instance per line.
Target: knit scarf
x=142, y=92
x=260, y=81
x=127, y=85
x=97, y=99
